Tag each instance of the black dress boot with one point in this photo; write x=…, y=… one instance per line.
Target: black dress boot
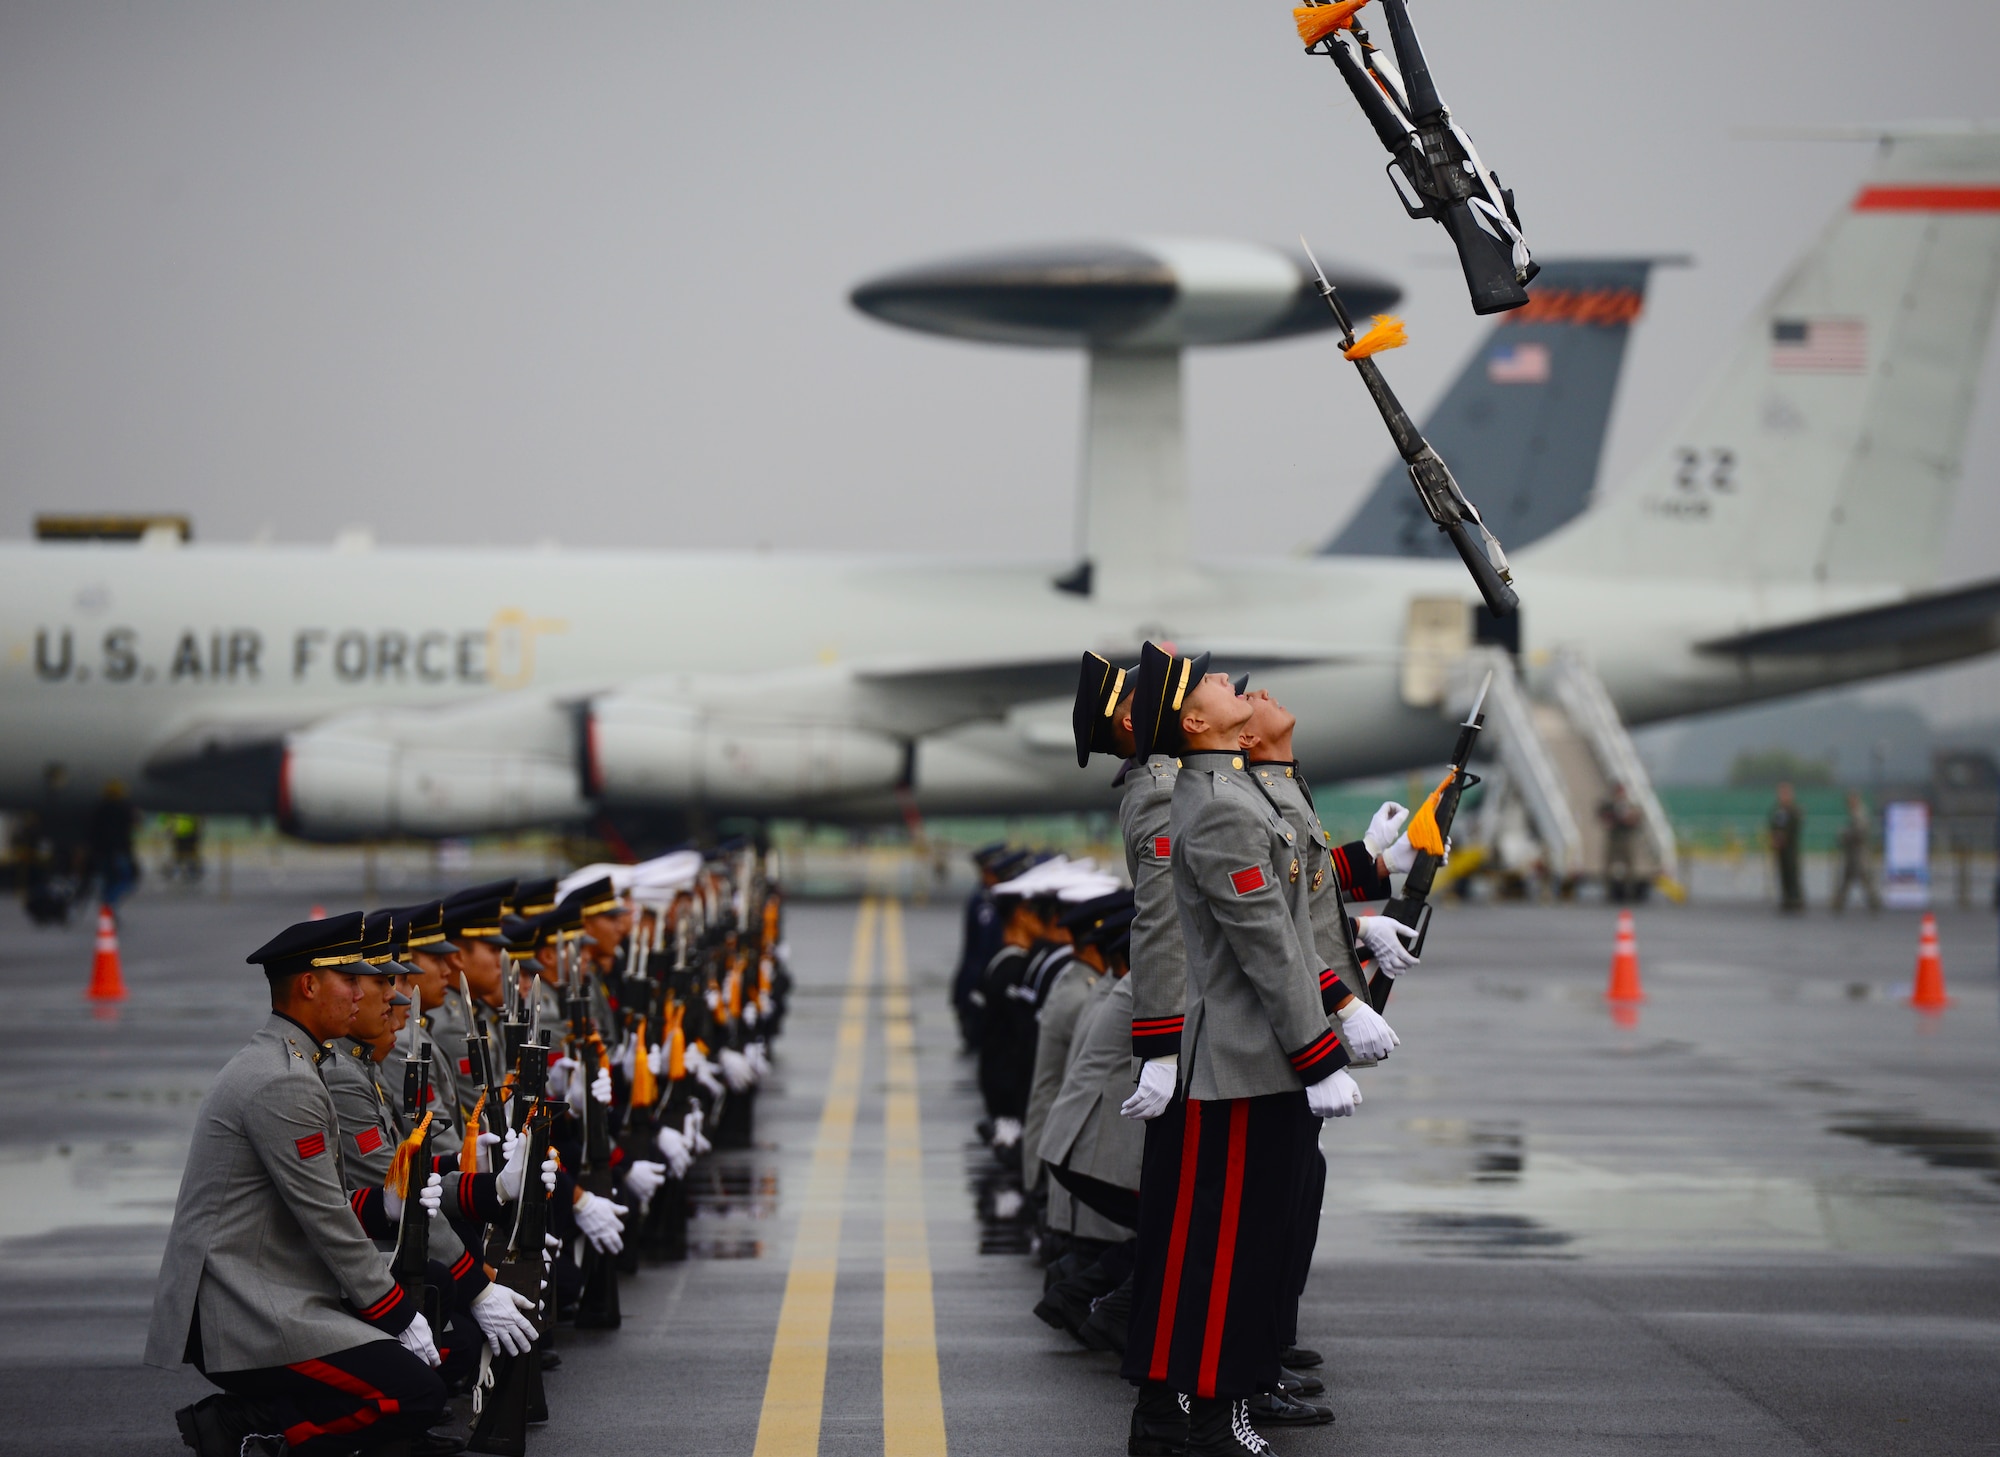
x=1159, y=1423
x=1110, y=1315
x=1219, y=1426
x=1275, y=1409
x=227, y=1426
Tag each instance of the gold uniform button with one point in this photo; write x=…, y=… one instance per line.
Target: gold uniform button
x=1295, y=872
x=1288, y=774
x=1318, y=877
x=1237, y=762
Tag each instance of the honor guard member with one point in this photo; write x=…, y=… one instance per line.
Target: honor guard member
x=1325, y=871
x=1259, y=1059
x=1067, y=993
x=1094, y=1153
x=981, y=939
x=269, y=1285
x=429, y=954
x=472, y=923
x=1107, y=719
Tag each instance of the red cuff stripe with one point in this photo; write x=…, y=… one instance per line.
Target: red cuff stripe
x=1341, y=872
x=385, y=1306
x=1158, y=1024
x=1327, y=978
x=463, y=1266
x=1316, y=1052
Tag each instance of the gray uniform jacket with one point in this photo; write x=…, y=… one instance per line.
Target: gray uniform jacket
x=1158, y=960
x=1255, y=1022
x=447, y=1044
x=1084, y=1129
x=264, y=1244
x=1055, y=1029
x=1333, y=933
x=369, y=1135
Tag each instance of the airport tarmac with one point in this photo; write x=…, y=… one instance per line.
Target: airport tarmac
x=1759, y=1213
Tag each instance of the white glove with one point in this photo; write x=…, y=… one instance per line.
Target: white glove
x=691, y=1131
x=600, y=1086
x=1384, y=939
x=598, y=1218
x=760, y=1060
x=628, y=1055
x=416, y=1339
x=750, y=1013
x=643, y=1178
x=657, y=1060
x=1386, y=827
x=1156, y=1089
x=506, y=1316
x=703, y=1069
x=559, y=1072
x=736, y=1070
x=1400, y=856
x=513, y=1153
x=675, y=1149
x=1333, y=1097
x=431, y=1196
x=1368, y=1037
x=1006, y=1132
x=485, y=1157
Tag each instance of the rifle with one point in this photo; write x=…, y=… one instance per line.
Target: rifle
x=1445, y=503
x=410, y=1265
x=1431, y=157
x=518, y=1255
x=1412, y=907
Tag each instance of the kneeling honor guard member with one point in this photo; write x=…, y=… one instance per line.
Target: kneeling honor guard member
x=1260, y=1059
x=271, y=1286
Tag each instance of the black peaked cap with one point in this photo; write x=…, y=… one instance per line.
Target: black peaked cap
x=1099, y=686
x=329, y=941
x=1164, y=682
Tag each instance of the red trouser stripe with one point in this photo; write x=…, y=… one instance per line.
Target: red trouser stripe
x=377, y=1406
x=1225, y=1247
x=1170, y=1287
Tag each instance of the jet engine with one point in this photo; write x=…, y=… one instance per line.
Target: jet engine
x=465, y=770
x=652, y=752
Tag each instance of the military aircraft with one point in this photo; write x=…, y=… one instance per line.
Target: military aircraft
x=1784, y=536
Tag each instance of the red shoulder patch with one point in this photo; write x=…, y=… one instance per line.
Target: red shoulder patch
x=1163, y=847
x=311, y=1146
x=368, y=1140
x=465, y=1067
x=1248, y=879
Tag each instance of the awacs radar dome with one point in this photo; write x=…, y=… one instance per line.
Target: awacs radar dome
x=1146, y=294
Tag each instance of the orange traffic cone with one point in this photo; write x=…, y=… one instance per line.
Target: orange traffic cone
x=107, y=980
x=1625, y=985
x=1927, y=991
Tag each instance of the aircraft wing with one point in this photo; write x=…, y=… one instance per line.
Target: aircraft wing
x=1935, y=618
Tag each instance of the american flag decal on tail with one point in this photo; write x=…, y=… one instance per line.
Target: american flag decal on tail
x=1819, y=346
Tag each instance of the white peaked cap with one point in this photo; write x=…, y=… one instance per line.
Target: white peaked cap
x=666, y=873
x=620, y=877
x=1090, y=887
x=1049, y=877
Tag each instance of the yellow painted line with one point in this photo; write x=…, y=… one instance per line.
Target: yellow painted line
x=912, y=1402
x=795, y=1389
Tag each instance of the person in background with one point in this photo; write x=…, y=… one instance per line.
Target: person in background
x=1620, y=818
x=1786, y=825
x=112, y=824
x=1857, y=845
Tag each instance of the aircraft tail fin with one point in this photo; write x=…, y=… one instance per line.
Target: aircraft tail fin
x=1827, y=448
x=1523, y=425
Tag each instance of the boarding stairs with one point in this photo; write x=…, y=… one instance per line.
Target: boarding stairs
x=1561, y=746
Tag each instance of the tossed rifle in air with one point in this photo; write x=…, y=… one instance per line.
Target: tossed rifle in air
x=1428, y=829
x=517, y=1251
x=1440, y=171
x=1443, y=501
x=411, y=1168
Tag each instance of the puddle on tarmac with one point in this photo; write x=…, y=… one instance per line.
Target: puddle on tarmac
x=727, y=1199
x=732, y=1191
x=1483, y=1236
x=1459, y=1150
x=1941, y=1145
x=1006, y=1219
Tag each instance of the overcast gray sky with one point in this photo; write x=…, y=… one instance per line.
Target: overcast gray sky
x=500, y=272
